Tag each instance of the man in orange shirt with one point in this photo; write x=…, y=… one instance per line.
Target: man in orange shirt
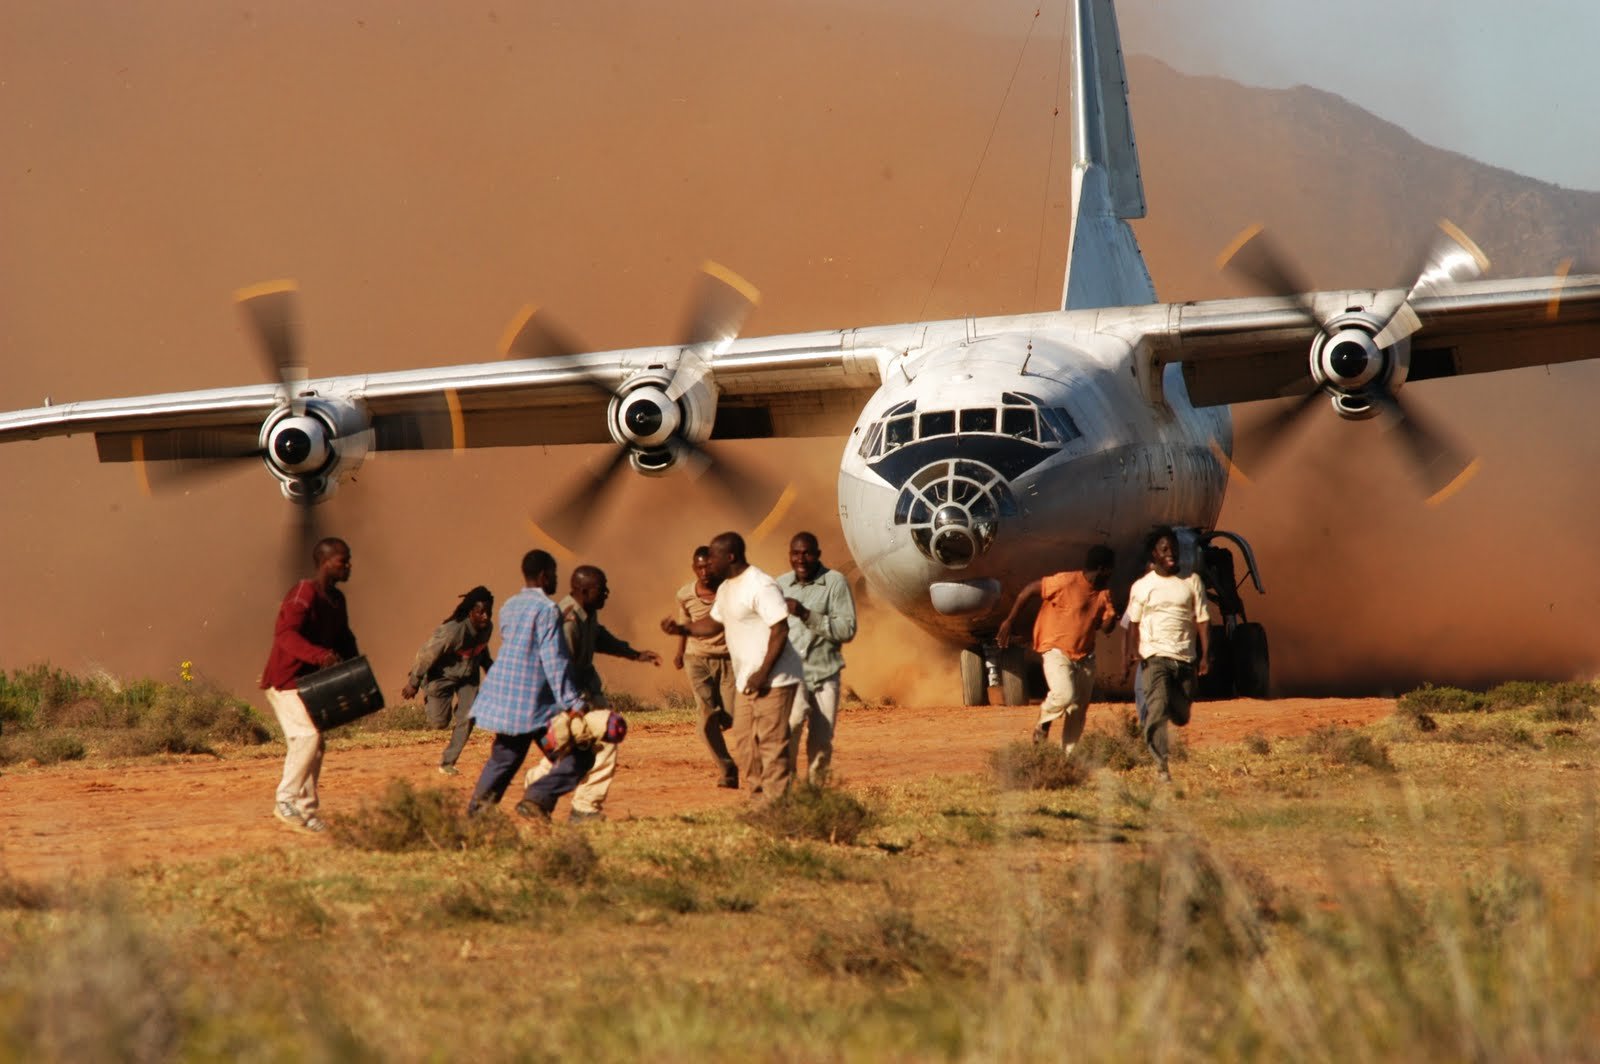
x=1075, y=605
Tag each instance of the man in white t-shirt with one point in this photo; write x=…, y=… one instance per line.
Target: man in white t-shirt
x=750, y=613
x=1169, y=631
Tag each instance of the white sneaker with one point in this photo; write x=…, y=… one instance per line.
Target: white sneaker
x=288, y=814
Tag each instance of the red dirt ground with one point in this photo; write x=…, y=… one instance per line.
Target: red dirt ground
x=88, y=820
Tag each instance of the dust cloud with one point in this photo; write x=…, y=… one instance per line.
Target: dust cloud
x=425, y=171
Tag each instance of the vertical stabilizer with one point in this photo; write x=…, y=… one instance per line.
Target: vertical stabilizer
x=1104, y=266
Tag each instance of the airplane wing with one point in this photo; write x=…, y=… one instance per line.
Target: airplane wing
x=800, y=385
x=1242, y=350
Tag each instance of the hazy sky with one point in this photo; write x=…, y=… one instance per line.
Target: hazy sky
x=1456, y=73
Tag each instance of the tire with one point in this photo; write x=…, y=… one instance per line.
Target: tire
x=1013, y=664
x=974, y=679
x=1252, y=664
x=1218, y=680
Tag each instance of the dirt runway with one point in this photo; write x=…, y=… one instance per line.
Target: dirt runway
x=87, y=820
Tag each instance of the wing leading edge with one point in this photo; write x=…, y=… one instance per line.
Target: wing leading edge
x=801, y=385
x=1243, y=350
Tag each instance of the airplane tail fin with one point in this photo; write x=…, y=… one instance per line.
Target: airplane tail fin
x=1104, y=265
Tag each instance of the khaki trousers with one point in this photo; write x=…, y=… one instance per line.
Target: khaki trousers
x=596, y=784
x=302, y=765
x=761, y=739
x=1071, y=683
x=817, y=704
x=711, y=680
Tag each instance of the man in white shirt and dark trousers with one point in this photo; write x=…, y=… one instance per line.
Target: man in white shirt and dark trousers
x=750, y=612
x=1169, y=631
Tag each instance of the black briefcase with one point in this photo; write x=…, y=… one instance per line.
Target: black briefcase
x=340, y=693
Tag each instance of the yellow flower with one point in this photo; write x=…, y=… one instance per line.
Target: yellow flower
x=186, y=671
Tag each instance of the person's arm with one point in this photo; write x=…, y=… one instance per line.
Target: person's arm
x=1002, y=638
x=550, y=642
x=1202, y=625
x=1108, y=616
x=683, y=640
x=838, y=622
x=777, y=639
x=286, y=633
x=705, y=626
x=1130, y=640
x=606, y=643
x=442, y=641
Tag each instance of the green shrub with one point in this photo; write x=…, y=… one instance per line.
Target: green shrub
x=1431, y=699
x=1257, y=743
x=433, y=819
x=1029, y=766
x=568, y=858
x=1566, y=712
x=1342, y=746
x=888, y=946
x=809, y=811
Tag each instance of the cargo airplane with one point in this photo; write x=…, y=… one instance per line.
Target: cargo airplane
x=979, y=453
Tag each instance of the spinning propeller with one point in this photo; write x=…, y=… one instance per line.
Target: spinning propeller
x=1360, y=359
x=648, y=416
x=306, y=442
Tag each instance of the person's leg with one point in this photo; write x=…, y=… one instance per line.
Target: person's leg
x=562, y=778
x=716, y=716
x=436, y=703
x=744, y=746
x=302, y=759
x=506, y=755
x=1138, y=692
x=824, y=717
x=1058, y=680
x=465, y=696
x=1158, y=682
x=1078, y=687
x=804, y=700
x=770, y=729
x=590, y=794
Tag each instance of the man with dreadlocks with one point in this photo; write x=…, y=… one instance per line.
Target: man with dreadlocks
x=448, y=668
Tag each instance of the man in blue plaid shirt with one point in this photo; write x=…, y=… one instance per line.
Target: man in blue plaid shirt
x=528, y=684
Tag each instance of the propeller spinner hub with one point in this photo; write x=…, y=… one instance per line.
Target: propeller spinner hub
x=1349, y=360
x=645, y=418
x=299, y=445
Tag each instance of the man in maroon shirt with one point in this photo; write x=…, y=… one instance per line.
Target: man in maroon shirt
x=313, y=631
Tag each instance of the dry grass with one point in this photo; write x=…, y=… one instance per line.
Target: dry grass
x=1291, y=906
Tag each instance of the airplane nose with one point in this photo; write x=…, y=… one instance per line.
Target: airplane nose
x=953, y=509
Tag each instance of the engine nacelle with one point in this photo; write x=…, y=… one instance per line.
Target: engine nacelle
x=645, y=418
x=1347, y=363
x=311, y=450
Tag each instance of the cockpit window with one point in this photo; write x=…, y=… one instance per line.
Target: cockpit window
x=897, y=432
x=1019, y=423
x=977, y=421
x=936, y=423
x=874, y=440
x=1058, y=424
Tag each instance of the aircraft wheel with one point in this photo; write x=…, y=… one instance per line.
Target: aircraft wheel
x=1218, y=680
x=974, y=678
x=1252, y=666
x=1013, y=663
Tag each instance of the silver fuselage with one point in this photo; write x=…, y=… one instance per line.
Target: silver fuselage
x=1131, y=466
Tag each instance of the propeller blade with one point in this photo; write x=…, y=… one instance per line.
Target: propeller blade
x=722, y=301
x=1442, y=467
x=435, y=423
x=1255, y=258
x=177, y=458
x=305, y=531
x=1452, y=260
x=569, y=518
x=1263, y=441
x=271, y=311
x=532, y=335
